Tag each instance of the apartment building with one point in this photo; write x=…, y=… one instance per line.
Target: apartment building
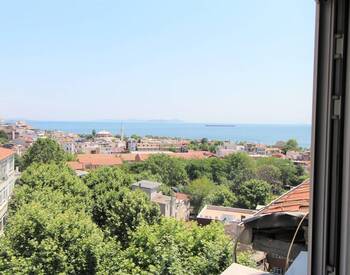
x=8, y=177
x=177, y=206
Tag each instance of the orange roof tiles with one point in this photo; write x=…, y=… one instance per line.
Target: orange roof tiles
x=142, y=157
x=295, y=200
x=99, y=159
x=75, y=165
x=182, y=196
x=128, y=157
x=5, y=153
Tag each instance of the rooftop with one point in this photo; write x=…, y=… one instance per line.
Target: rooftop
x=295, y=200
x=181, y=196
x=99, y=159
x=224, y=213
x=147, y=184
x=234, y=269
x=160, y=198
x=5, y=153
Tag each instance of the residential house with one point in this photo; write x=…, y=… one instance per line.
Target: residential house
x=8, y=177
x=273, y=227
x=93, y=161
x=104, y=134
x=223, y=214
x=183, y=207
x=229, y=148
x=177, y=206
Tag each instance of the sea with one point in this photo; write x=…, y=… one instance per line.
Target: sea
x=257, y=133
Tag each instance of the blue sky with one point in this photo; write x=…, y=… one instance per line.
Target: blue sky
x=232, y=61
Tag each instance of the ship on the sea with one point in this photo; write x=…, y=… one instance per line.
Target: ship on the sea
x=220, y=125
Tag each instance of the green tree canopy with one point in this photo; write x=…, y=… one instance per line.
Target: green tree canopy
x=56, y=176
x=120, y=212
x=221, y=196
x=3, y=137
x=107, y=178
x=272, y=175
x=199, y=189
x=198, y=169
x=171, y=170
x=45, y=239
x=239, y=168
x=253, y=192
x=291, y=145
x=172, y=247
x=289, y=172
x=44, y=150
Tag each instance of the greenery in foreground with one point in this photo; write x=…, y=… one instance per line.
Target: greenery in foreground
x=61, y=224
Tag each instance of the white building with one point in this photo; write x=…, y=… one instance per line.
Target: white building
x=8, y=177
x=229, y=148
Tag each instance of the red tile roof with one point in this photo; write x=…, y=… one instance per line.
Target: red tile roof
x=128, y=157
x=142, y=157
x=182, y=196
x=295, y=200
x=5, y=153
x=76, y=165
x=99, y=159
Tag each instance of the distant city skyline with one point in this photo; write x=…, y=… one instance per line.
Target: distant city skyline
x=194, y=61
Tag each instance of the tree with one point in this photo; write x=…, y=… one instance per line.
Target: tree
x=222, y=196
x=107, y=178
x=45, y=239
x=171, y=170
x=272, y=175
x=119, y=213
x=239, y=168
x=198, y=169
x=218, y=170
x=291, y=145
x=199, y=189
x=246, y=258
x=57, y=177
x=173, y=247
x=44, y=150
x=93, y=133
x=3, y=137
x=252, y=193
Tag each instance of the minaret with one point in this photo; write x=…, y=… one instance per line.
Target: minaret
x=122, y=132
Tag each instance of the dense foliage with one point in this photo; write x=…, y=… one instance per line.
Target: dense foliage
x=62, y=224
x=226, y=181
x=44, y=150
x=3, y=137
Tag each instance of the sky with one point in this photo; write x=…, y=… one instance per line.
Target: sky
x=232, y=61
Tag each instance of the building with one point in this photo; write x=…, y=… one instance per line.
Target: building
x=273, y=227
x=183, y=207
x=104, y=134
x=149, y=187
x=8, y=177
x=229, y=148
x=223, y=214
x=177, y=206
x=93, y=161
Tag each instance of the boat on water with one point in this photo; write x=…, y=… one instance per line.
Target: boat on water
x=220, y=125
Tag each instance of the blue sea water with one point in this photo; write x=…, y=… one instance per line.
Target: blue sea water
x=260, y=133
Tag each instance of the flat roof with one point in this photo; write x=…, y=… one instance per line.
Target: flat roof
x=147, y=184
x=222, y=213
